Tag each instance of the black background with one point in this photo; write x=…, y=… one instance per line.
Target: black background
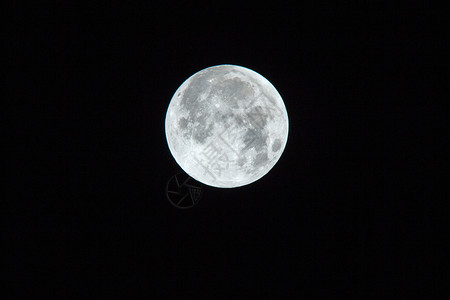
x=346, y=212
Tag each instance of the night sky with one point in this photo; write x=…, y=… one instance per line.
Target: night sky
x=346, y=212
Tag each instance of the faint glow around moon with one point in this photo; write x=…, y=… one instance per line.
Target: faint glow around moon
x=226, y=126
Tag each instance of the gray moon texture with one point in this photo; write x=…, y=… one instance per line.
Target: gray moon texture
x=226, y=126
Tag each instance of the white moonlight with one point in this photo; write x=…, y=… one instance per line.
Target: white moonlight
x=226, y=126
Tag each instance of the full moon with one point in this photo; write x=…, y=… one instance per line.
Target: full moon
x=226, y=126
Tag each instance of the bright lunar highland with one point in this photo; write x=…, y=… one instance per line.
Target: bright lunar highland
x=226, y=126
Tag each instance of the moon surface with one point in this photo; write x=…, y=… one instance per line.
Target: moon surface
x=226, y=126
